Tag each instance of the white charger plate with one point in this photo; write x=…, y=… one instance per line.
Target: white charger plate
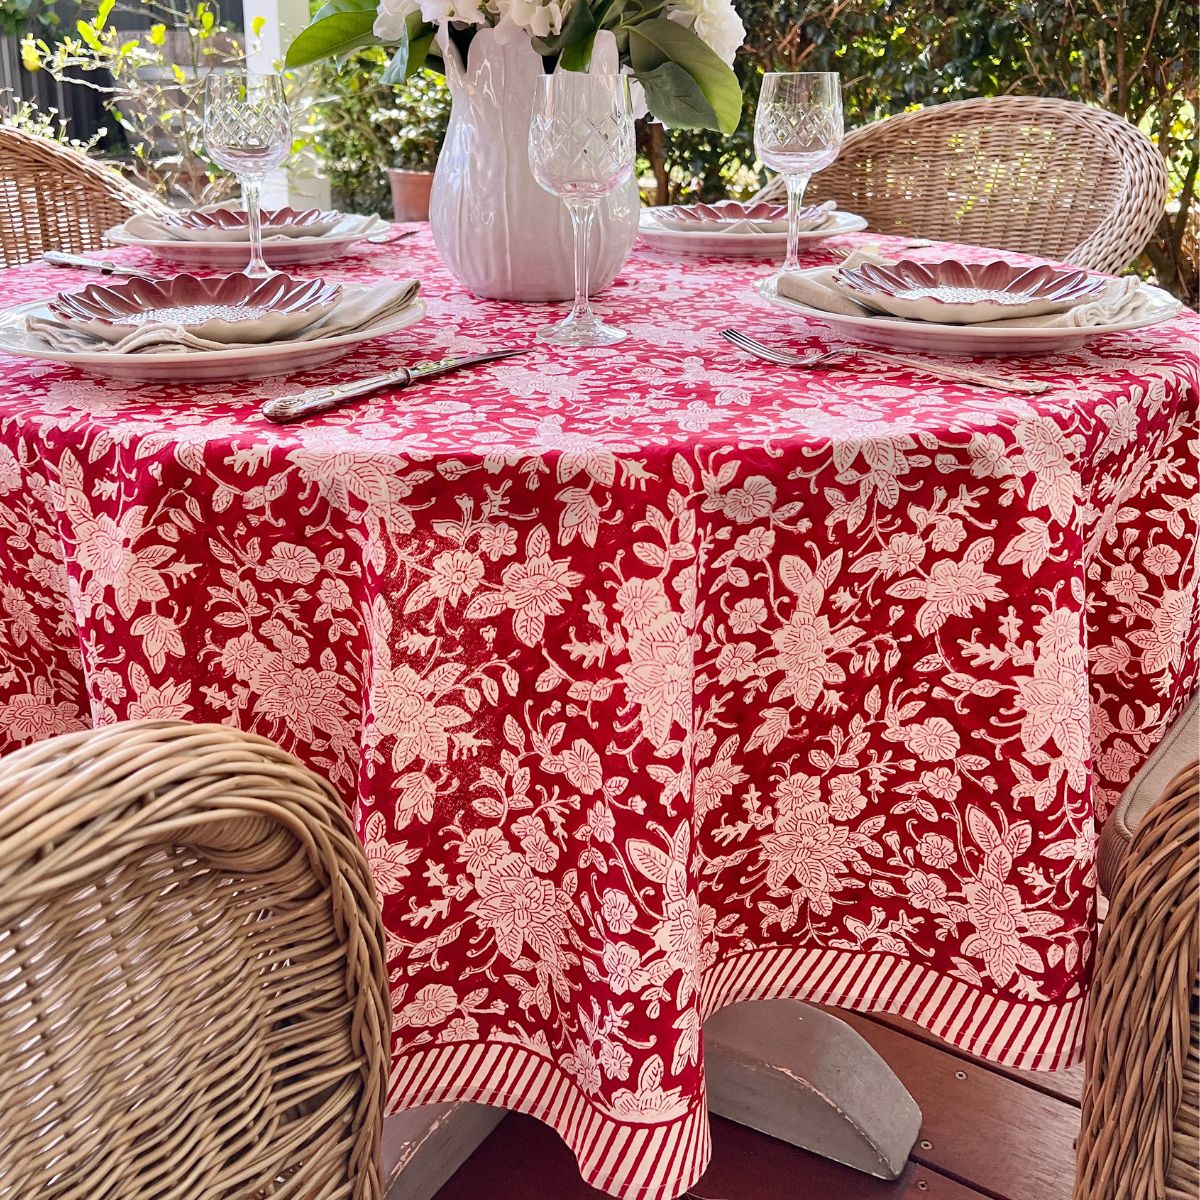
x=198, y=366
x=737, y=245
x=233, y=256
x=893, y=333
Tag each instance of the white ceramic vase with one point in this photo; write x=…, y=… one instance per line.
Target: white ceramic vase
x=497, y=231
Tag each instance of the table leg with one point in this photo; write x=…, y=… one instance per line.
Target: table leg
x=799, y=1074
x=784, y=1068
x=423, y=1147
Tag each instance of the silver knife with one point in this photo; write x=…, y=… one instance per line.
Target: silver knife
x=285, y=409
x=56, y=258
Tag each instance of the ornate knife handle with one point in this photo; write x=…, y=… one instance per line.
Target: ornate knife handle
x=57, y=258
x=285, y=409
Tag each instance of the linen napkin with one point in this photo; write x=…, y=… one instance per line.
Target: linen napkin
x=149, y=228
x=1120, y=299
x=815, y=288
x=359, y=308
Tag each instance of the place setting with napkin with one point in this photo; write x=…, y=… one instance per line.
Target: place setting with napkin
x=999, y=306
x=205, y=329
x=732, y=229
x=216, y=236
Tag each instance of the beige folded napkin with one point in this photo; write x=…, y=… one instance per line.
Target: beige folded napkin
x=1119, y=300
x=815, y=288
x=151, y=229
x=359, y=308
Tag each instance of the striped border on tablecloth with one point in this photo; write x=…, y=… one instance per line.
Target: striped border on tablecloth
x=1013, y=1033
x=661, y=1161
x=632, y=1161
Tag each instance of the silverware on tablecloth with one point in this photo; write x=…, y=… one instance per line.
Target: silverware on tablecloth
x=911, y=244
x=103, y=266
x=785, y=358
x=285, y=409
x=391, y=237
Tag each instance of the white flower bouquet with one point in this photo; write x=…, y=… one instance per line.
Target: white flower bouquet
x=679, y=51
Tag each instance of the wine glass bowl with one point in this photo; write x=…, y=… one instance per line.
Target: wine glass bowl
x=798, y=130
x=581, y=148
x=248, y=130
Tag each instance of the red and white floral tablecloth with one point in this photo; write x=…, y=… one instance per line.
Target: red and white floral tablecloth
x=656, y=678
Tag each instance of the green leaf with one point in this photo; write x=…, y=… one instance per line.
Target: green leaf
x=89, y=35
x=158, y=35
x=578, y=57
x=103, y=9
x=655, y=43
x=258, y=25
x=340, y=6
x=412, y=52
x=675, y=98
x=338, y=33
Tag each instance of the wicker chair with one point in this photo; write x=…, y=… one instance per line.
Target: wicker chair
x=193, y=997
x=1046, y=177
x=1141, y=1102
x=55, y=198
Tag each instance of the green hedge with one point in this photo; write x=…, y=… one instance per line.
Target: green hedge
x=361, y=126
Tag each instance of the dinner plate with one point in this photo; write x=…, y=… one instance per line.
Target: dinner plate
x=197, y=366
x=730, y=216
x=737, y=245
x=233, y=256
x=961, y=293
x=896, y=334
x=222, y=224
x=226, y=308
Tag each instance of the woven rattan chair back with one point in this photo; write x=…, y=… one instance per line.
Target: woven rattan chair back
x=1046, y=177
x=1141, y=1098
x=56, y=198
x=193, y=997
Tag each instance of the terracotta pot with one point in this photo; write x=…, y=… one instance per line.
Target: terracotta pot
x=410, y=194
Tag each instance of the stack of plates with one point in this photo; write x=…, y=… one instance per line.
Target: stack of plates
x=732, y=230
x=217, y=238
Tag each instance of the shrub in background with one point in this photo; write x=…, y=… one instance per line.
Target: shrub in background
x=151, y=81
x=19, y=113
x=361, y=126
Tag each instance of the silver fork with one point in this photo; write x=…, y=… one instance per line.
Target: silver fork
x=785, y=358
x=392, y=237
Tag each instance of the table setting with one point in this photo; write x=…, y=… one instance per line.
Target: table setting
x=777, y=614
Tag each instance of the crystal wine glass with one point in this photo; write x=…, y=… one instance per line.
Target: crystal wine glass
x=581, y=148
x=798, y=132
x=247, y=130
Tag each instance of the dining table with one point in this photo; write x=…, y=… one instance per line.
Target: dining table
x=655, y=677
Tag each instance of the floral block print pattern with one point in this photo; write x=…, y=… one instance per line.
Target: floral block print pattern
x=655, y=678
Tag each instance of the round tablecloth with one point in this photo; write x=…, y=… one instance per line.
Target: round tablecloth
x=656, y=678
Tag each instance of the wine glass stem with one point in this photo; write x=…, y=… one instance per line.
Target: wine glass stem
x=795, y=190
x=251, y=186
x=583, y=214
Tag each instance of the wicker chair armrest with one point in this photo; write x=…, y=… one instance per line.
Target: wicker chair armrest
x=1140, y=1113
x=1179, y=747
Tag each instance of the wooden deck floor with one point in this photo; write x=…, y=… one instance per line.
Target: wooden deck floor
x=988, y=1133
